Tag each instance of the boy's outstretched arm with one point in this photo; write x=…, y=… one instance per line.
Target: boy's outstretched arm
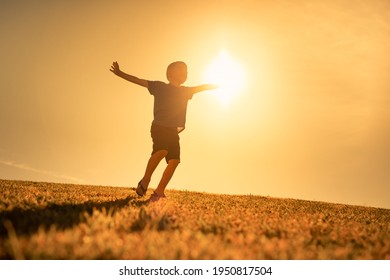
x=115, y=69
x=203, y=88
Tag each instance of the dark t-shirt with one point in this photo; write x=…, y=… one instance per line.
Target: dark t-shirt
x=170, y=104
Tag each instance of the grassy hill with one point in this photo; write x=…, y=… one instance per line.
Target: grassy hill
x=62, y=221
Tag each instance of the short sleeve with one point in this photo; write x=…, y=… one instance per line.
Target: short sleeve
x=153, y=86
x=188, y=93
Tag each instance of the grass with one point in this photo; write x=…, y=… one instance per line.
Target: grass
x=61, y=221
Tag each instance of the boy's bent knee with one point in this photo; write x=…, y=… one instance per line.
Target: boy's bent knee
x=161, y=153
x=174, y=162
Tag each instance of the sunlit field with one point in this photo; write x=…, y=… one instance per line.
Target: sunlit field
x=60, y=221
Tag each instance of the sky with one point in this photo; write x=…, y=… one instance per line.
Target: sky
x=310, y=120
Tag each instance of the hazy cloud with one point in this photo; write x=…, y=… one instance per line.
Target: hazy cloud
x=43, y=172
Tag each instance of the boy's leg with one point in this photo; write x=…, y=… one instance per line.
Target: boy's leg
x=167, y=175
x=153, y=162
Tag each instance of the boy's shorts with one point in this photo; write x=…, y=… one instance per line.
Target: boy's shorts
x=166, y=138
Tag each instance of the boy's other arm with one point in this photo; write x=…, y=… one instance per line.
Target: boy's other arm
x=115, y=69
x=203, y=88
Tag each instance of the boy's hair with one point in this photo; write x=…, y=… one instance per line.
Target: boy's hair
x=172, y=66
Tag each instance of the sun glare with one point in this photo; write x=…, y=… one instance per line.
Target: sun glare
x=228, y=74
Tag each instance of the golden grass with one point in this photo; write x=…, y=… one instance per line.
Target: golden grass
x=62, y=221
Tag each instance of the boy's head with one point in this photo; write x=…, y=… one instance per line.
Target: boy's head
x=177, y=72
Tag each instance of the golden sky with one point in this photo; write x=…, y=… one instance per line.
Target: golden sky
x=312, y=120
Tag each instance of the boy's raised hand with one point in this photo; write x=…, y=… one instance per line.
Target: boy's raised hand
x=115, y=68
x=203, y=88
x=212, y=86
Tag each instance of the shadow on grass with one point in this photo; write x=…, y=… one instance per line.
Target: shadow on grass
x=62, y=216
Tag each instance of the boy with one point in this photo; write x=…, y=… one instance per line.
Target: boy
x=170, y=107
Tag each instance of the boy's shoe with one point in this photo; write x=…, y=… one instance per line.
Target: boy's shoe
x=140, y=189
x=156, y=197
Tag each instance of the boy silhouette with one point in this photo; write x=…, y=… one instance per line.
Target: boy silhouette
x=170, y=107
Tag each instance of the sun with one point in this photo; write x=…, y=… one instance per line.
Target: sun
x=228, y=74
